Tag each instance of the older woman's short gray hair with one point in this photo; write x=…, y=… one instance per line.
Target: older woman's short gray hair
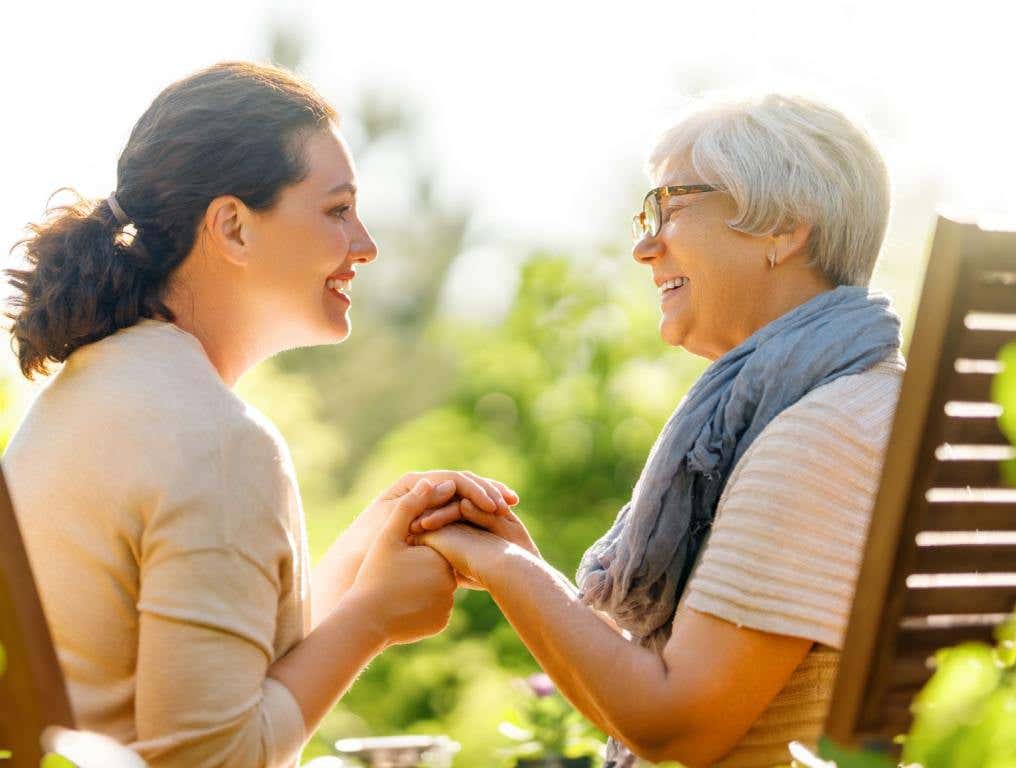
x=789, y=161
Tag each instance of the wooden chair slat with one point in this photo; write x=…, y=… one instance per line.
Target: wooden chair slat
x=965, y=558
x=970, y=387
x=995, y=297
x=911, y=671
x=982, y=474
x=983, y=344
x=972, y=431
x=972, y=516
x=922, y=643
x=960, y=600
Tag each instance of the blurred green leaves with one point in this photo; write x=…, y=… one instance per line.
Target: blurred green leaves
x=1003, y=392
x=562, y=402
x=965, y=716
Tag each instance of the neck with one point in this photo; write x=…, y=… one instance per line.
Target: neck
x=789, y=286
x=217, y=316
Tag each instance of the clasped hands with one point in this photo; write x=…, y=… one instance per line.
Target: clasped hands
x=428, y=534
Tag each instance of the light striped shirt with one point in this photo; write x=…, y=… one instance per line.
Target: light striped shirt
x=786, y=545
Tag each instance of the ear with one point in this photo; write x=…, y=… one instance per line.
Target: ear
x=228, y=224
x=792, y=243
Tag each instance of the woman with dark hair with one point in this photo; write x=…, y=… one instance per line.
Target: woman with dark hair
x=160, y=512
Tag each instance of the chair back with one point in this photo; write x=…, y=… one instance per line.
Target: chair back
x=32, y=690
x=939, y=566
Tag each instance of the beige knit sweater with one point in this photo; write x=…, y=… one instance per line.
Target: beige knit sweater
x=163, y=525
x=786, y=545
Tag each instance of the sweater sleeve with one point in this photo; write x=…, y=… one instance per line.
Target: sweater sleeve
x=788, y=537
x=215, y=556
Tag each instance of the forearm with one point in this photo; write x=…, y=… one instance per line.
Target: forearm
x=333, y=576
x=615, y=683
x=320, y=669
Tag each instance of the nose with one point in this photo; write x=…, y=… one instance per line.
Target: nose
x=647, y=249
x=363, y=248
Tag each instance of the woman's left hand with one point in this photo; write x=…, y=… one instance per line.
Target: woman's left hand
x=468, y=549
x=464, y=524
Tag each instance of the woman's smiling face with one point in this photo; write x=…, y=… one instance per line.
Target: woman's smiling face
x=711, y=277
x=309, y=244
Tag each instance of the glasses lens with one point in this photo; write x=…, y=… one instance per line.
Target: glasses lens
x=651, y=215
x=638, y=228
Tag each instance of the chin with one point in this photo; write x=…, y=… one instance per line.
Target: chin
x=340, y=332
x=671, y=333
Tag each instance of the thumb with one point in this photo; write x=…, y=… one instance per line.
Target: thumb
x=422, y=497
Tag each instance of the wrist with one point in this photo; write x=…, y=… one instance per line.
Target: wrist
x=358, y=610
x=501, y=560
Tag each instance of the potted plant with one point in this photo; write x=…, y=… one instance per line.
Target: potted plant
x=545, y=731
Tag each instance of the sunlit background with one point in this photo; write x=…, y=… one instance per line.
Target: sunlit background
x=500, y=150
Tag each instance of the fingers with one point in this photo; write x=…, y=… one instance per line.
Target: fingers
x=478, y=516
x=424, y=495
x=506, y=493
x=437, y=518
x=486, y=494
x=493, y=491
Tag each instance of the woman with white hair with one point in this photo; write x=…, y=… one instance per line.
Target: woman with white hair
x=707, y=622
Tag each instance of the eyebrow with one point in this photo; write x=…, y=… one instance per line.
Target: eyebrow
x=338, y=189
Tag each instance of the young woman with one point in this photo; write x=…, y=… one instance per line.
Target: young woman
x=160, y=512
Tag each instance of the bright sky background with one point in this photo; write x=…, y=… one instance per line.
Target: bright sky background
x=539, y=114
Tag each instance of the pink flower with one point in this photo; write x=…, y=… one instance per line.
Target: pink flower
x=541, y=685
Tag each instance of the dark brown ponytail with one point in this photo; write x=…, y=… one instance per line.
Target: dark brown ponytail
x=234, y=128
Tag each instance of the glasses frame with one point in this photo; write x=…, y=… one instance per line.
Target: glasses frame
x=653, y=203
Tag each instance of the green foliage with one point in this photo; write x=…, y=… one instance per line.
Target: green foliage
x=965, y=717
x=53, y=760
x=1003, y=392
x=849, y=758
x=541, y=723
x=561, y=402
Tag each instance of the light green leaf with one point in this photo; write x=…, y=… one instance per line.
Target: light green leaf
x=53, y=760
x=848, y=758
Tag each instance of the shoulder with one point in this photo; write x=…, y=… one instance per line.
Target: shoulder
x=861, y=399
x=851, y=415
x=150, y=374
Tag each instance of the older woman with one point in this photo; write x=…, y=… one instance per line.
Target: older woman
x=708, y=619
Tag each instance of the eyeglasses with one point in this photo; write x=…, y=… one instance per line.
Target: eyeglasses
x=648, y=221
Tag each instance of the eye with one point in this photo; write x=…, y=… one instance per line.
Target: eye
x=672, y=211
x=340, y=211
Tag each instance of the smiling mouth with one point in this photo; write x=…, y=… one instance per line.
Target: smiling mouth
x=340, y=287
x=672, y=286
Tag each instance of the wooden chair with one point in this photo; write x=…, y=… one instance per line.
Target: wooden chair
x=940, y=562
x=35, y=713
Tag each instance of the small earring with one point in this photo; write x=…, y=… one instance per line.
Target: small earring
x=772, y=259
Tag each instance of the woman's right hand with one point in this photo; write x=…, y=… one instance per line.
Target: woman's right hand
x=411, y=588
x=485, y=494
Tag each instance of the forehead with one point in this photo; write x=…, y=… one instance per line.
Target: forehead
x=329, y=162
x=676, y=172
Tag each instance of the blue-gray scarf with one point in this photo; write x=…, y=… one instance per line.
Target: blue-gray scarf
x=637, y=571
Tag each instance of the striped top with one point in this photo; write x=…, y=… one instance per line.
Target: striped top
x=786, y=544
